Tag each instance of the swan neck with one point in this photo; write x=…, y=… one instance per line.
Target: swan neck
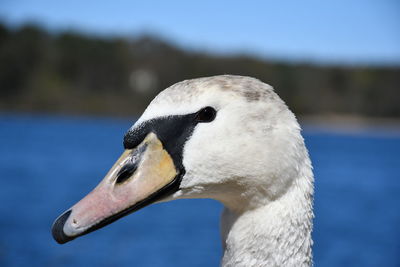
x=275, y=234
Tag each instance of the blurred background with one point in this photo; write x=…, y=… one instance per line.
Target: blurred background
x=75, y=75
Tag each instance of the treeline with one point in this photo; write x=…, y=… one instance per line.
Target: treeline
x=69, y=72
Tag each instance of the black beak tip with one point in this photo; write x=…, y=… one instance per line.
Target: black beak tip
x=57, y=229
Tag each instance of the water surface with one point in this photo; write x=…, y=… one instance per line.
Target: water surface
x=48, y=163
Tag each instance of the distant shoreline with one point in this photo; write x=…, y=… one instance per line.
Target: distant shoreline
x=350, y=124
x=340, y=124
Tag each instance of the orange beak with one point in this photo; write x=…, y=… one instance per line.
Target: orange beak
x=140, y=177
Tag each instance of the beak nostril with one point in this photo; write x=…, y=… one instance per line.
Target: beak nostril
x=130, y=167
x=126, y=172
x=74, y=221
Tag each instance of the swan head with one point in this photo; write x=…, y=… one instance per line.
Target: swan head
x=230, y=138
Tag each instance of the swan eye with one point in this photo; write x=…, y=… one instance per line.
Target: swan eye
x=206, y=114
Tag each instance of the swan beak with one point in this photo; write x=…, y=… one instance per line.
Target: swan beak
x=140, y=177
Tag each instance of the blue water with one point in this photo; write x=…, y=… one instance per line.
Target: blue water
x=49, y=163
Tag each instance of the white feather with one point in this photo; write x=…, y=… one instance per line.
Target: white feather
x=253, y=159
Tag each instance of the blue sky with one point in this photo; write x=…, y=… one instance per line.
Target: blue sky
x=355, y=31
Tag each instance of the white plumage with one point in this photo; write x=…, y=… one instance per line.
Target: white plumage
x=229, y=138
x=253, y=159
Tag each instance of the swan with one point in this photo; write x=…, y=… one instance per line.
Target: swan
x=229, y=138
